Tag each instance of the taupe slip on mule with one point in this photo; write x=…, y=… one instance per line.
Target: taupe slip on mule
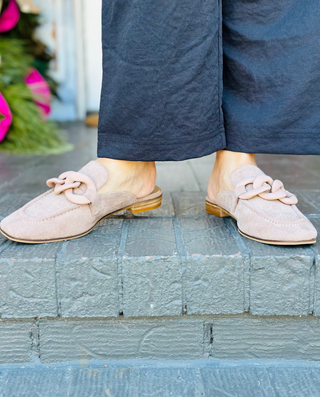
x=72, y=208
x=263, y=209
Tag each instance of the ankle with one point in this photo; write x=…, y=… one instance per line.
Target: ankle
x=136, y=177
x=227, y=160
x=225, y=163
x=125, y=167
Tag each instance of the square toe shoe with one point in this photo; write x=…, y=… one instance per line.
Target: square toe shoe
x=263, y=209
x=72, y=208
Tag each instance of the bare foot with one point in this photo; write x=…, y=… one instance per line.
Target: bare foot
x=136, y=177
x=225, y=163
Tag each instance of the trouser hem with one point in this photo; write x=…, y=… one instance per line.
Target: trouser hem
x=287, y=142
x=175, y=150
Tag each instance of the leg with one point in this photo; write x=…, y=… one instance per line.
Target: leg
x=136, y=177
x=225, y=163
x=271, y=93
x=271, y=82
x=160, y=97
x=160, y=100
x=157, y=59
x=161, y=90
x=270, y=101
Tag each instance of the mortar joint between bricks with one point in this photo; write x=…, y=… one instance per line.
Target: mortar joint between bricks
x=38, y=337
x=244, y=250
x=120, y=254
x=183, y=259
x=60, y=253
x=313, y=285
x=179, y=240
x=208, y=338
x=120, y=286
x=5, y=245
x=35, y=339
x=247, y=262
x=312, y=280
x=211, y=341
x=175, y=203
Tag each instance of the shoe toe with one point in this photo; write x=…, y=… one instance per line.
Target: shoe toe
x=294, y=229
x=305, y=232
x=13, y=226
x=33, y=223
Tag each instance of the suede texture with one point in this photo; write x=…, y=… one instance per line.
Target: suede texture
x=51, y=216
x=264, y=219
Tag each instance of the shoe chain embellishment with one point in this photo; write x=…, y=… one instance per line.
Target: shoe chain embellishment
x=71, y=180
x=267, y=188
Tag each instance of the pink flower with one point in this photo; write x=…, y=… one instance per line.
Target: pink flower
x=40, y=92
x=10, y=17
x=5, y=117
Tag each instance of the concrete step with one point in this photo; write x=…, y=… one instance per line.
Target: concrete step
x=172, y=261
x=172, y=284
x=231, y=337
x=164, y=378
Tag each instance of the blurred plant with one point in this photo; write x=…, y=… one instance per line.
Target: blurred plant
x=25, y=30
x=9, y=17
x=20, y=53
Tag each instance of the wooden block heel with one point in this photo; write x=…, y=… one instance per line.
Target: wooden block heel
x=145, y=205
x=216, y=210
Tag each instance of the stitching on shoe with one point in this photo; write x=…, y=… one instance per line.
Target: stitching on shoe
x=37, y=198
x=47, y=219
x=269, y=219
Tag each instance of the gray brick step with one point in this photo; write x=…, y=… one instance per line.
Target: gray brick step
x=173, y=261
x=174, y=283
x=226, y=337
x=138, y=378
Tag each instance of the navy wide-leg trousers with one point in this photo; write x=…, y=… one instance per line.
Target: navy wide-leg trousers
x=185, y=78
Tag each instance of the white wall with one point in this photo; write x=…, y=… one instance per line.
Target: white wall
x=92, y=52
x=72, y=31
x=57, y=31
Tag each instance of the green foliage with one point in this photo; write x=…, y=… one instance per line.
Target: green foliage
x=15, y=63
x=25, y=30
x=28, y=133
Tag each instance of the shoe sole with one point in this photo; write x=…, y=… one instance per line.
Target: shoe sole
x=213, y=209
x=134, y=209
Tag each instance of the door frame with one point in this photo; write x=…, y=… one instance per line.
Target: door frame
x=80, y=61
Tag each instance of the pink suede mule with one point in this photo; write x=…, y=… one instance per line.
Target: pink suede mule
x=263, y=209
x=72, y=208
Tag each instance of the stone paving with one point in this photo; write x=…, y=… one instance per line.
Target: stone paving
x=172, y=283
x=136, y=378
